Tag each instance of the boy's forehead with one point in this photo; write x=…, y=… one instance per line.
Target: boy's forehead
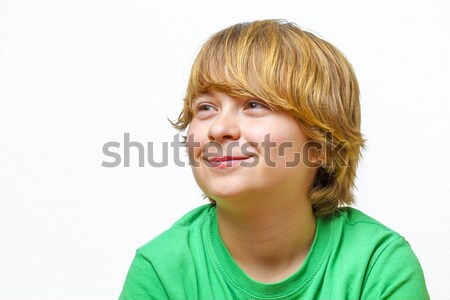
x=208, y=93
x=213, y=92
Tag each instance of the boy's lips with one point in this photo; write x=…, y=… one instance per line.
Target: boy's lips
x=225, y=162
x=226, y=158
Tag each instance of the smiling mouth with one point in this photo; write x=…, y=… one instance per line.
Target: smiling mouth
x=226, y=161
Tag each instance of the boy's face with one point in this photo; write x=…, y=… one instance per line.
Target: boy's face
x=239, y=147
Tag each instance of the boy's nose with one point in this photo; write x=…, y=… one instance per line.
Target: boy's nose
x=225, y=127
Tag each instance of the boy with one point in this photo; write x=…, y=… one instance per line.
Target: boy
x=274, y=141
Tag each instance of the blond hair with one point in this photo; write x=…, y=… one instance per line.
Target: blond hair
x=296, y=71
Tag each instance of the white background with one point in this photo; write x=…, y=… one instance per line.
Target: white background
x=77, y=74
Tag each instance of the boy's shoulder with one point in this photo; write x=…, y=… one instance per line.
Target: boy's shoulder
x=355, y=218
x=355, y=227
x=176, y=239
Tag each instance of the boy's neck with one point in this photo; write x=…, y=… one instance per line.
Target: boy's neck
x=268, y=240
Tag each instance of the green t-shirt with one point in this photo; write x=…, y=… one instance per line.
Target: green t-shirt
x=352, y=257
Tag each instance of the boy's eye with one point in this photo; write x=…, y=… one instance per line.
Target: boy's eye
x=256, y=105
x=203, y=110
x=204, y=107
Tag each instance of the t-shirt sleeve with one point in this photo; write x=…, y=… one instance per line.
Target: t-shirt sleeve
x=396, y=274
x=142, y=281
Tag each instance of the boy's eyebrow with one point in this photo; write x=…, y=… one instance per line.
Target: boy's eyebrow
x=201, y=95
